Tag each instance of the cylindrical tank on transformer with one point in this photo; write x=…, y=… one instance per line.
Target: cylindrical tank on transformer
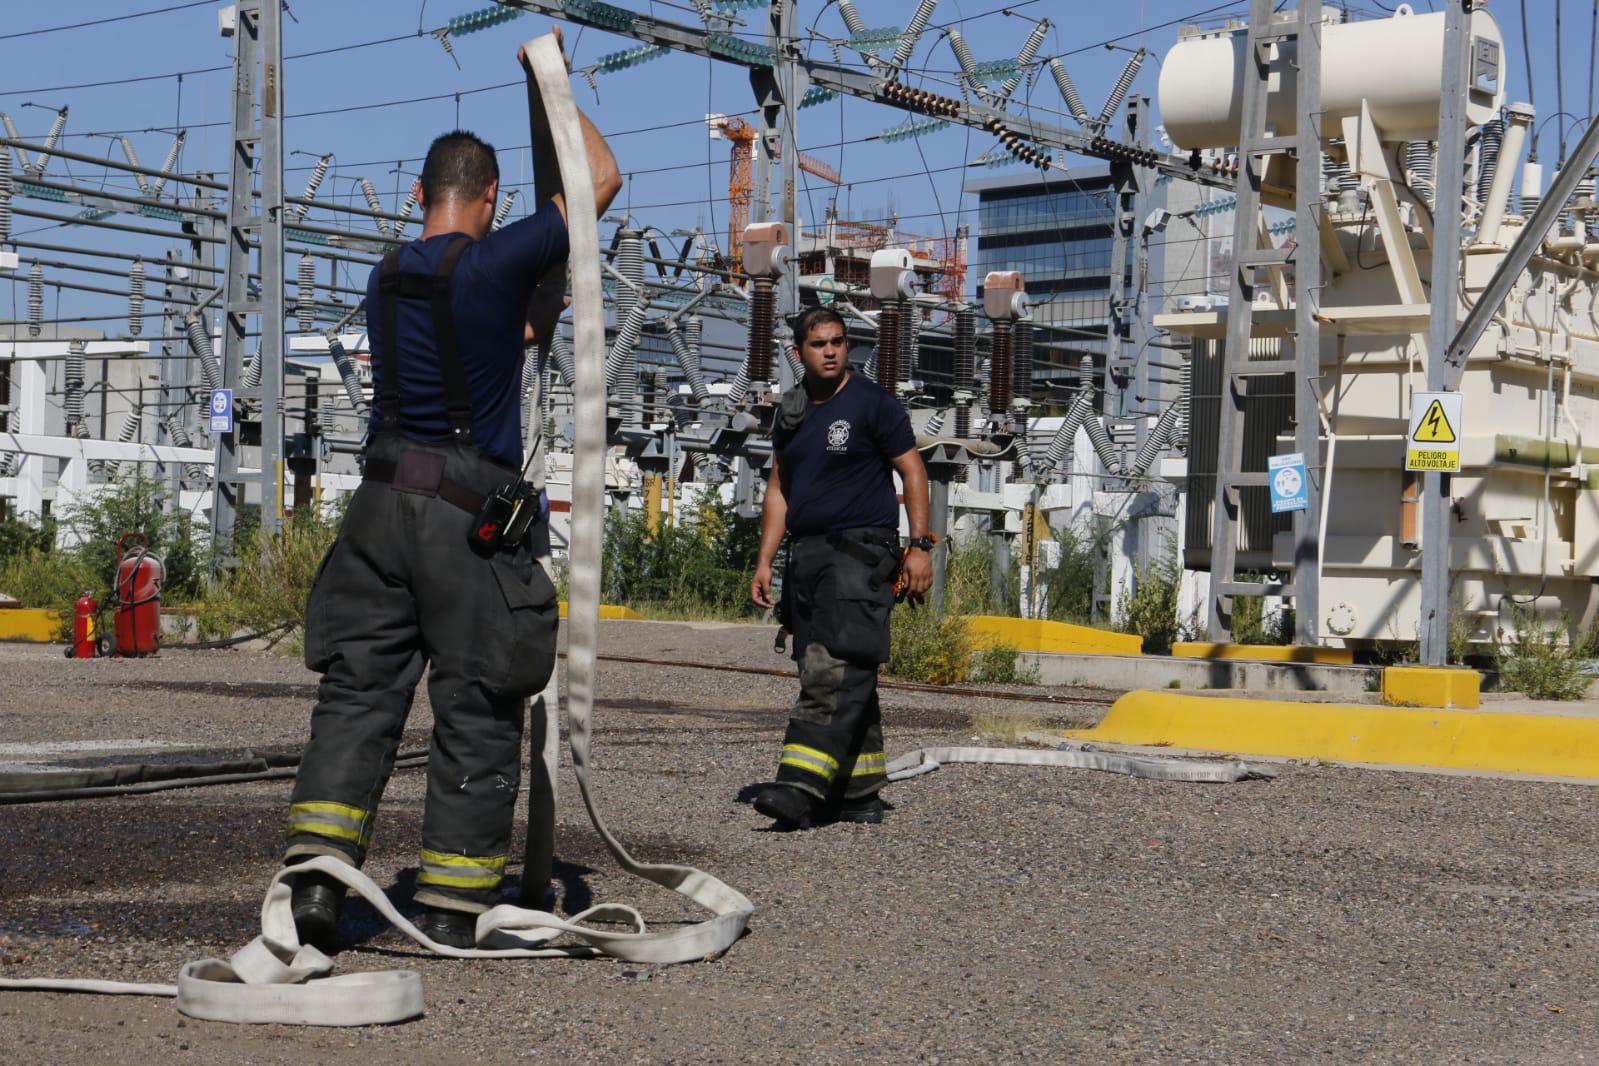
x=1395, y=65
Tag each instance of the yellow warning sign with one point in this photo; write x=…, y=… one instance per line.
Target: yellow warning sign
x=1435, y=427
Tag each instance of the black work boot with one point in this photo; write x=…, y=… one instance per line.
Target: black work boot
x=867, y=810
x=787, y=806
x=453, y=929
x=315, y=903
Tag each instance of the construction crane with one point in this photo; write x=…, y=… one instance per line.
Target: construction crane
x=741, y=135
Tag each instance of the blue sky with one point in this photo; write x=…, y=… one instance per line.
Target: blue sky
x=677, y=177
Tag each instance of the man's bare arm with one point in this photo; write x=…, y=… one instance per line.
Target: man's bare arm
x=774, y=519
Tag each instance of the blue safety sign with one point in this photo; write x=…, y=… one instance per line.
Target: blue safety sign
x=221, y=410
x=1286, y=476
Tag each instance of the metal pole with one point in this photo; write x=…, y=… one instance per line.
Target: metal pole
x=271, y=223
x=1307, y=329
x=1434, y=622
x=938, y=523
x=226, y=491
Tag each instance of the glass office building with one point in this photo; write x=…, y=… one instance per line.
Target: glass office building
x=1056, y=229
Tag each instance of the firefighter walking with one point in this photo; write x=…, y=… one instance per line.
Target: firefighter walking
x=838, y=440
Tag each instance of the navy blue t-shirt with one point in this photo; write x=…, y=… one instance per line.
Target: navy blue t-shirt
x=836, y=466
x=488, y=294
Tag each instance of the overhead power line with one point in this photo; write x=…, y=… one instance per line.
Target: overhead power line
x=104, y=21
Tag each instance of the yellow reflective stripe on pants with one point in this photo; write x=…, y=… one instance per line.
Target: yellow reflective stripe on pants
x=806, y=758
x=460, y=871
x=870, y=763
x=325, y=818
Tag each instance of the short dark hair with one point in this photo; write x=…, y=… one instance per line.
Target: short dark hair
x=812, y=317
x=459, y=165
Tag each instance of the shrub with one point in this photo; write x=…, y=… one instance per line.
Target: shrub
x=1150, y=608
x=699, y=568
x=929, y=646
x=269, y=586
x=1069, y=585
x=50, y=579
x=139, y=505
x=1538, y=662
x=1000, y=664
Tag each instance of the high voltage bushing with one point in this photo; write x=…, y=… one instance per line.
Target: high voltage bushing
x=630, y=265
x=318, y=171
x=965, y=368
x=473, y=21
x=763, y=313
x=406, y=208
x=687, y=362
x=1068, y=92
x=7, y=187
x=72, y=377
x=999, y=370
x=1022, y=362
x=502, y=212
x=1418, y=161
x=559, y=351
x=1160, y=435
x=42, y=160
x=305, y=306
x=193, y=473
x=913, y=32
x=919, y=100
x=132, y=423
x=1024, y=58
x=35, y=299
x=372, y=201
x=621, y=367
x=910, y=335
x=200, y=346
x=251, y=371
x=1019, y=146
x=133, y=161
x=963, y=56
x=1118, y=92
x=136, y=297
x=1061, y=444
x=344, y=363
x=169, y=164
x=1099, y=437
x=1493, y=136
x=886, y=369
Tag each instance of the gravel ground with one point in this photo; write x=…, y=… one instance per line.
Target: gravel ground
x=1001, y=913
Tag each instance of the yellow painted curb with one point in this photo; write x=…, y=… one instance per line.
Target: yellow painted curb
x=1271, y=653
x=29, y=623
x=1431, y=686
x=1038, y=635
x=611, y=610
x=1492, y=741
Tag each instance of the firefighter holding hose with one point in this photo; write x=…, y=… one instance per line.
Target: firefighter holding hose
x=435, y=563
x=838, y=440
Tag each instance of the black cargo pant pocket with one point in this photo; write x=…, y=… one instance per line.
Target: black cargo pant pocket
x=856, y=609
x=522, y=655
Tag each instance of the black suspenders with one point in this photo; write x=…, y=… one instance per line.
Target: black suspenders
x=394, y=284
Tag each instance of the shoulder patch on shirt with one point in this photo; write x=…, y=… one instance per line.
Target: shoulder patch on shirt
x=838, y=435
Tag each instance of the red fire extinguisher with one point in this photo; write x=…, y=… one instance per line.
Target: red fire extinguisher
x=85, y=628
x=137, y=594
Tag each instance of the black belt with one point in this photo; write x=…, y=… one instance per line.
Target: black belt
x=423, y=475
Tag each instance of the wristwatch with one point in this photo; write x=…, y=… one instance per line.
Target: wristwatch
x=925, y=543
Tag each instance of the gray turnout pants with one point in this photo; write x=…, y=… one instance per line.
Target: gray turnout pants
x=838, y=592
x=401, y=589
